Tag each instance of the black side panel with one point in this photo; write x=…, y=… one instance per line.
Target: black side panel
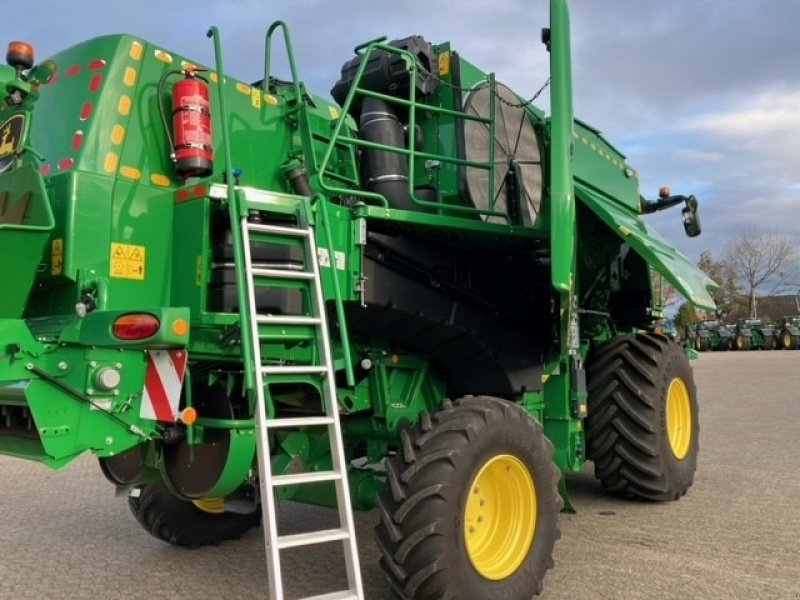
x=471, y=310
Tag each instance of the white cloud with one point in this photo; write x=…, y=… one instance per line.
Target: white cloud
x=772, y=112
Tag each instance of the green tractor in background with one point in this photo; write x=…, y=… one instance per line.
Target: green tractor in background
x=754, y=334
x=429, y=297
x=709, y=334
x=743, y=335
x=787, y=332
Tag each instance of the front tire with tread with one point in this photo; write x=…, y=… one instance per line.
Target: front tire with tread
x=421, y=534
x=629, y=380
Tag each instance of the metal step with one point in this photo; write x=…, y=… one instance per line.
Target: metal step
x=282, y=274
x=287, y=320
x=342, y=595
x=295, y=370
x=302, y=478
x=299, y=422
x=277, y=230
x=312, y=537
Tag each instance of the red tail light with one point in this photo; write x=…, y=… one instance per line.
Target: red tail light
x=137, y=326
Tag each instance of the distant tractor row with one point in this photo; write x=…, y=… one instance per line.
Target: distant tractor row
x=745, y=334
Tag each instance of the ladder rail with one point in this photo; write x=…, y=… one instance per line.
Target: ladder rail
x=346, y=520
x=262, y=445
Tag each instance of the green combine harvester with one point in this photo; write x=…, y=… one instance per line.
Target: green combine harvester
x=429, y=297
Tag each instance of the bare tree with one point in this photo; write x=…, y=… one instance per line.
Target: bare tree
x=764, y=263
x=724, y=275
x=665, y=293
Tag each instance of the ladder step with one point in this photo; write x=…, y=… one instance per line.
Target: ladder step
x=299, y=422
x=301, y=478
x=312, y=537
x=277, y=229
x=287, y=320
x=282, y=274
x=295, y=370
x=343, y=595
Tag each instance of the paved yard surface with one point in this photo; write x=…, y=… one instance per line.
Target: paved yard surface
x=735, y=535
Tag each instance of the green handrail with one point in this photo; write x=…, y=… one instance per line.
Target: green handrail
x=412, y=153
x=235, y=217
x=338, y=300
x=287, y=38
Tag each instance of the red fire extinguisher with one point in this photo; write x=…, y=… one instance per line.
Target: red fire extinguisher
x=192, y=149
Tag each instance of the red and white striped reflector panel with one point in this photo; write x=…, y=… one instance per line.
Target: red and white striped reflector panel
x=162, y=385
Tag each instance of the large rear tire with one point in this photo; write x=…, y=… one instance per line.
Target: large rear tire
x=183, y=523
x=642, y=429
x=471, y=505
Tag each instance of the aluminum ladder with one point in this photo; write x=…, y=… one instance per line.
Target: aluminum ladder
x=322, y=372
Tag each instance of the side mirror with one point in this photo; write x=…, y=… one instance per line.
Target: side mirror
x=691, y=220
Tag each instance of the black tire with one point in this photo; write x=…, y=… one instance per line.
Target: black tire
x=421, y=534
x=700, y=344
x=789, y=341
x=743, y=342
x=629, y=379
x=770, y=343
x=724, y=344
x=181, y=523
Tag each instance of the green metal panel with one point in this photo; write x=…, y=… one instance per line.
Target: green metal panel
x=25, y=224
x=598, y=162
x=677, y=268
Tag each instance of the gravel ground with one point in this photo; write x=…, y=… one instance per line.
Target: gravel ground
x=736, y=535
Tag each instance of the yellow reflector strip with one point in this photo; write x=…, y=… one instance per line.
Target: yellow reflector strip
x=243, y=87
x=159, y=179
x=255, y=98
x=111, y=162
x=334, y=112
x=130, y=172
x=163, y=56
x=136, y=50
x=124, y=106
x=130, y=76
x=213, y=76
x=117, y=134
x=270, y=99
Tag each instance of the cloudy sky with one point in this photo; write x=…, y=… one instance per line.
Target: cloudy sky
x=701, y=95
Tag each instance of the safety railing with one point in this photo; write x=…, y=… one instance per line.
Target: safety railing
x=414, y=155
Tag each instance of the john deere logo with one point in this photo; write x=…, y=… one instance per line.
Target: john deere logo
x=10, y=140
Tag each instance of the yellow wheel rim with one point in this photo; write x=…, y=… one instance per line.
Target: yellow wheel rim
x=215, y=506
x=679, y=418
x=500, y=517
x=787, y=340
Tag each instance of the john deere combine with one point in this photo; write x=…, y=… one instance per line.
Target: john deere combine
x=429, y=297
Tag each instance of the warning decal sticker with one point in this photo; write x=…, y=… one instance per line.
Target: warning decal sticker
x=127, y=261
x=57, y=257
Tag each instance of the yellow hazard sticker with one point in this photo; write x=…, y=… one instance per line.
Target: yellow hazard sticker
x=444, y=64
x=57, y=257
x=255, y=98
x=334, y=112
x=127, y=261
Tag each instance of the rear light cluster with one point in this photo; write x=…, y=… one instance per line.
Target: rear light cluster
x=135, y=326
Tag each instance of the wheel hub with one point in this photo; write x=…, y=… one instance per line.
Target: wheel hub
x=500, y=517
x=679, y=418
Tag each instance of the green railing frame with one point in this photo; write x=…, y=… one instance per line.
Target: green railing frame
x=287, y=38
x=236, y=212
x=318, y=200
x=411, y=152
